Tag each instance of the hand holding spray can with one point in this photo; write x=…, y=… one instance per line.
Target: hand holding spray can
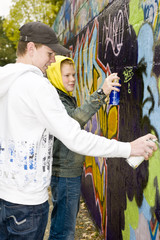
x=114, y=97
x=134, y=162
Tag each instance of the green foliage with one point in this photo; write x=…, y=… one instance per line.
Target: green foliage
x=23, y=11
x=7, y=48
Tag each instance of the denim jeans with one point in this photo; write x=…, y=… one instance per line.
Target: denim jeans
x=66, y=198
x=27, y=222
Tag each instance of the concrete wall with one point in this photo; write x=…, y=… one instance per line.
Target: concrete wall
x=118, y=36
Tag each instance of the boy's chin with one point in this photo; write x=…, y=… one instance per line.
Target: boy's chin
x=70, y=90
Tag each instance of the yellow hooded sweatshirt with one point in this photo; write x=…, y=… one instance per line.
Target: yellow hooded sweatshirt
x=54, y=73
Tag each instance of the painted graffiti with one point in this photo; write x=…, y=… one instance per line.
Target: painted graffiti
x=123, y=38
x=150, y=9
x=128, y=74
x=113, y=33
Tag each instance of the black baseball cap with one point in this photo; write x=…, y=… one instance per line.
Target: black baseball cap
x=39, y=32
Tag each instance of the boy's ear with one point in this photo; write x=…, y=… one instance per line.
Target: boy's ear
x=30, y=48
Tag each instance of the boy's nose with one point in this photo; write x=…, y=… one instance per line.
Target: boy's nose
x=73, y=78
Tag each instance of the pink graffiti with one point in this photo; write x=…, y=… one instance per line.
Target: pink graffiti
x=113, y=33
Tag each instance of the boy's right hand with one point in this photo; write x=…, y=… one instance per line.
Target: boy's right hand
x=110, y=83
x=143, y=146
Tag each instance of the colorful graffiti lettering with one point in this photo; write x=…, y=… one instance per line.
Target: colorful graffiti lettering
x=123, y=37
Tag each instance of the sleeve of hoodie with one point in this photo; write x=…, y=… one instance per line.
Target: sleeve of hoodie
x=52, y=114
x=83, y=113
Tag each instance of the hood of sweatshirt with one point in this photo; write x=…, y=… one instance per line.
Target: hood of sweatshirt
x=54, y=73
x=10, y=72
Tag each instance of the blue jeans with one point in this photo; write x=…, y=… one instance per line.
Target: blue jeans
x=27, y=222
x=66, y=198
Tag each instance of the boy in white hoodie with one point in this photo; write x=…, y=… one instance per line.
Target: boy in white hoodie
x=31, y=116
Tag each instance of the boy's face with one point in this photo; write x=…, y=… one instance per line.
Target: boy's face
x=68, y=77
x=42, y=57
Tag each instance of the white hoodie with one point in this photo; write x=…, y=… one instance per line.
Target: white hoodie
x=30, y=109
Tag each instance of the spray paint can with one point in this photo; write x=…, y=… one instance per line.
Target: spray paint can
x=114, y=97
x=134, y=162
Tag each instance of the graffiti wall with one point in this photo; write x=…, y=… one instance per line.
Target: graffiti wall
x=120, y=36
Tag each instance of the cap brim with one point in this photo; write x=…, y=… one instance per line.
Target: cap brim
x=59, y=49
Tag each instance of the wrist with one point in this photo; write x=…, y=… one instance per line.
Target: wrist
x=101, y=92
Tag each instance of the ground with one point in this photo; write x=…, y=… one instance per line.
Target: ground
x=85, y=229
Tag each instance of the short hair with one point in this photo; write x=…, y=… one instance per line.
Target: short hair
x=22, y=48
x=67, y=61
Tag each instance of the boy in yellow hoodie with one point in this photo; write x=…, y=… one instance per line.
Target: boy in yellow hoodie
x=67, y=165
